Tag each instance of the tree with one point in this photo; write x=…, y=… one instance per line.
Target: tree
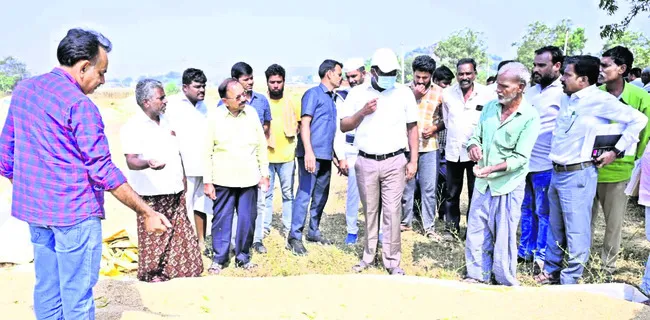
x=171, y=88
x=465, y=43
x=539, y=35
x=636, y=42
x=616, y=29
x=11, y=71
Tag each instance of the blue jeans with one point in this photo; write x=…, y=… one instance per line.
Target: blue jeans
x=534, y=216
x=426, y=178
x=352, y=200
x=571, y=196
x=285, y=172
x=314, y=188
x=645, y=283
x=67, y=261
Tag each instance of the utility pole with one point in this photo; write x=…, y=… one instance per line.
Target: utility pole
x=566, y=40
x=402, y=55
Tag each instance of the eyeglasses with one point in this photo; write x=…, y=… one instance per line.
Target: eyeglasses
x=161, y=98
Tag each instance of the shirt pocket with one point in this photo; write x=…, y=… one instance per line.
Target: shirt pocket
x=506, y=138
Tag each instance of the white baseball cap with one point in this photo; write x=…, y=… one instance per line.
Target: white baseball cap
x=353, y=64
x=385, y=59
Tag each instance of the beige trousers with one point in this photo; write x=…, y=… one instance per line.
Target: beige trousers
x=612, y=198
x=381, y=185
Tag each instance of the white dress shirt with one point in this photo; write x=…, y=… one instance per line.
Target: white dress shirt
x=547, y=102
x=342, y=148
x=189, y=122
x=585, y=109
x=461, y=117
x=383, y=131
x=637, y=82
x=147, y=139
x=647, y=87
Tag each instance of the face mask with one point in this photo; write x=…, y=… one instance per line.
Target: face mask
x=386, y=82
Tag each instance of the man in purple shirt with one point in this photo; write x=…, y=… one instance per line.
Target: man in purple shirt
x=54, y=150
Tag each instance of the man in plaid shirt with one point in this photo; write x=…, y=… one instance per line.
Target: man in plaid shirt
x=429, y=98
x=54, y=150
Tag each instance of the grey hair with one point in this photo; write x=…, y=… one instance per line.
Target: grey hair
x=646, y=70
x=517, y=69
x=144, y=90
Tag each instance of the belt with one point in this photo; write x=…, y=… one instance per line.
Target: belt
x=380, y=157
x=572, y=167
x=349, y=138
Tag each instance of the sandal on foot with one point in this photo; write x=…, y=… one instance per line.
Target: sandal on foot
x=545, y=278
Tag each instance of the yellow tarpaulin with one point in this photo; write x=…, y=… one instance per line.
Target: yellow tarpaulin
x=119, y=255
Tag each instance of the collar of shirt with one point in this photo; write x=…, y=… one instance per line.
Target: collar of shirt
x=226, y=112
x=538, y=87
x=254, y=95
x=626, y=90
x=327, y=91
x=583, y=93
x=198, y=105
x=65, y=74
x=144, y=118
x=476, y=90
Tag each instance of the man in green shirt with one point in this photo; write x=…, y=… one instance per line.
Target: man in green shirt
x=501, y=145
x=615, y=64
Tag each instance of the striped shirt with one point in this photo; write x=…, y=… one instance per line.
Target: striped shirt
x=54, y=148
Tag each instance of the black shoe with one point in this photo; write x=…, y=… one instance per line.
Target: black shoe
x=259, y=248
x=248, y=266
x=296, y=247
x=320, y=239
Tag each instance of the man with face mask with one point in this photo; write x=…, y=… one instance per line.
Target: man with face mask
x=314, y=153
x=461, y=107
x=501, y=145
x=187, y=113
x=385, y=116
x=612, y=179
x=346, y=153
x=545, y=96
x=574, y=177
x=429, y=97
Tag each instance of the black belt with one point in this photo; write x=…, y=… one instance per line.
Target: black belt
x=572, y=167
x=349, y=138
x=380, y=157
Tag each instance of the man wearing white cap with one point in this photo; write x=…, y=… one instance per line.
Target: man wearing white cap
x=346, y=152
x=384, y=114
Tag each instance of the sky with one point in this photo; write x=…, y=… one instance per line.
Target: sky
x=152, y=37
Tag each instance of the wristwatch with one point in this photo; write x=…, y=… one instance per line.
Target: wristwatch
x=618, y=152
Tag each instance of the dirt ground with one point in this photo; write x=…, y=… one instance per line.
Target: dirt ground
x=320, y=286
x=325, y=297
